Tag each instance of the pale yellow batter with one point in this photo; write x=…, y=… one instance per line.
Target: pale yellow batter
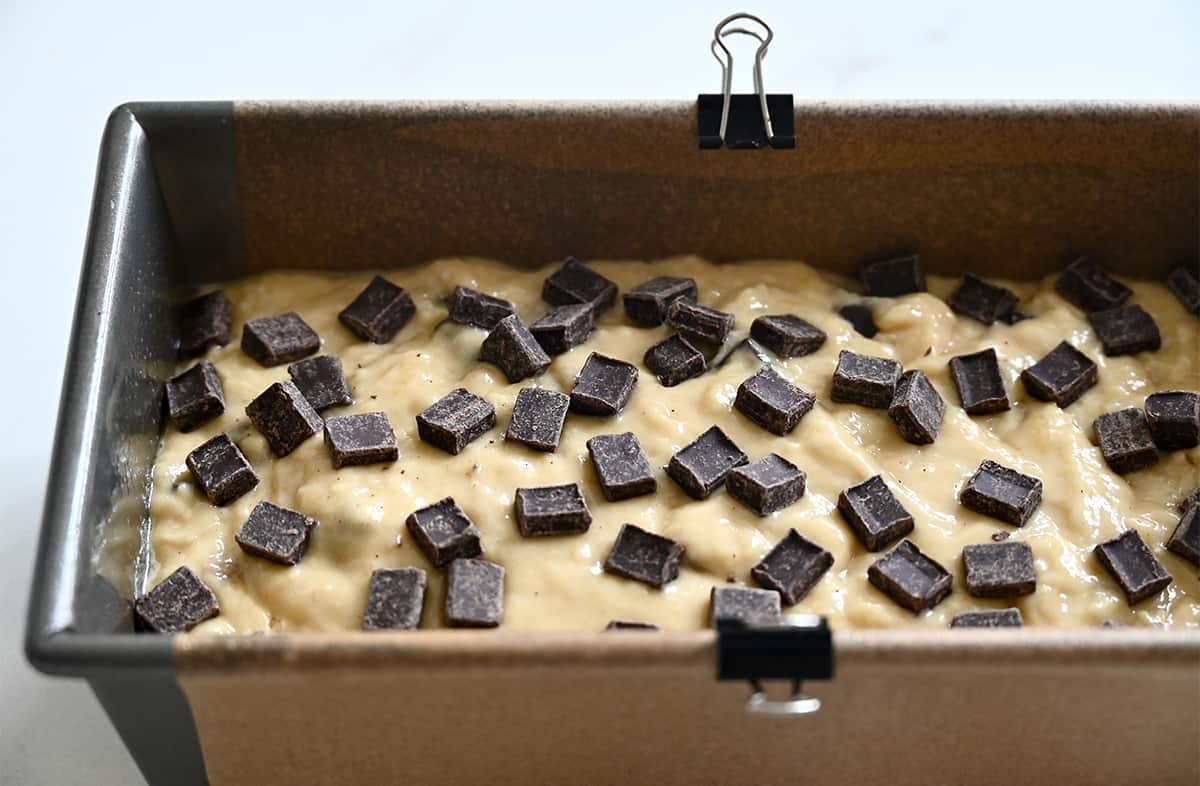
x=558, y=583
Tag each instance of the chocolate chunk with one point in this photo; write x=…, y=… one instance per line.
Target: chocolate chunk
x=1174, y=419
x=999, y=570
x=273, y=341
x=647, y=304
x=1134, y=567
x=513, y=348
x=1090, y=286
x=204, y=322
x=379, y=311
x=910, y=578
x=552, y=510
x=276, y=533
x=221, y=470
x=468, y=307
x=787, y=335
x=322, y=382
x=917, y=408
x=627, y=625
x=564, y=327
x=1185, y=283
x=674, y=360
x=178, y=603
x=1125, y=440
x=981, y=301
x=865, y=380
x=195, y=396
x=603, y=386
x=745, y=605
x=455, y=420
x=792, y=567
x=644, y=556
x=1126, y=330
x=395, y=599
x=538, y=417
x=980, y=384
x=444, y=533
x=991, y=618
x=354, y=440
x=1062, y=376
x=893, y=277
x=699, y=322
x=474, y=594
x=700, y=467
x=772, y=402
x=1002, y=493
x=874, y=513
x=621, y=466
x=860, y=316
x=284, y=417
x=1190, y=501
x=1185, y=539
x=575, y=282
x=767, y=485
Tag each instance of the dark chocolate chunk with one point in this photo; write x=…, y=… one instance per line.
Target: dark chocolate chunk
x=603, y=386
x=468, y=307
x=1125, y=440
x=792, y=567
x=981, y=301
x=552, y=510
x=1185, y=539
x=999, y=570
x=1062, y=376
x=538, y=417
x=575, y=282
x=621, y=466
x=647, y=304
x=273, y=341
x=564, y=327
x=861, y=317
x=455, y=420
x=772, y=402
x=221, y=470
x=701, y=466
x=178, y=603
x=865, y=380
x=379, y=311
x=444, y=533
x=1174, y=419
x=699, y=322
x=1126, y=330
x=322, y=381
x=366, y=438
x=746, y=605
x=1090, y=286
x=1002, y=493
x=917, y=408
x=990, y=618
x=644, y=556
x=276, y=533
x=787, y=335
x=1134, y=567
x=474, y=594
x=284, y=417
x=204, y=322
x=980, y=383
x=893, y=277
x=1190, y=501
x=910, y=578
x=874, y=513
x=1185, y=283
x=674, y=360
x=628, y=625
x=513, y=348
x=395, y=599
x=195, y=396
x=767, y=485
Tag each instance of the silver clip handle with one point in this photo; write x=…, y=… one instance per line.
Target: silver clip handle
x=727, y=67
x=799, y=704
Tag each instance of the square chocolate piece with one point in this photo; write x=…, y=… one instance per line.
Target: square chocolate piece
x=513, y=348
x=575, y=282
x=195, y=396
x=1190, y=501
x=1002, y=493
x=379, y=311
x=674, y=360
x=1126, y=330
x=910, y=578
x=767, y=485
x=893, y=277
x=861, y=318
x=283, y=338
x=772, y=402
x=284, y=417
x=1125, y=440
x=787, y=335
x=644, y=556
x=455, y=420
x=1185, y=539
x=701, y=466
x=563, y=327
x=699, y=322
x=981, y=301
x=792, y=567
x=917, y=408
x=1185, y=283
x=1090, y=286
x=874, y=513
x=603, y=386
x=621, y=466
x=474, y=594
x=647, y=304
x=276, y=533
x=444, y=533
x=627, y=625
x=395, y=599
x=178, y=603
x=745, y=605
x=322, y=381
x=221, y=470
x=980, y=383
x=999, y=570
x=354, y=440
x=865, y=380
x=1174, y=419
x=204, y=322
x=1134, y=567
x=468, y=307
x=1062, y=376
x=989, y=618
x=552, y=510
x=538, y=417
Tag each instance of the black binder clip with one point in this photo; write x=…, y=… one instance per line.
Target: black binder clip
x=744, y=121
x=798, y=648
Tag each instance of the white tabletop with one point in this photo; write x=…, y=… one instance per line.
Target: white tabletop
x=63, y=66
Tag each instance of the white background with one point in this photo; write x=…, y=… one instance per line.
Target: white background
x=63, y=66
